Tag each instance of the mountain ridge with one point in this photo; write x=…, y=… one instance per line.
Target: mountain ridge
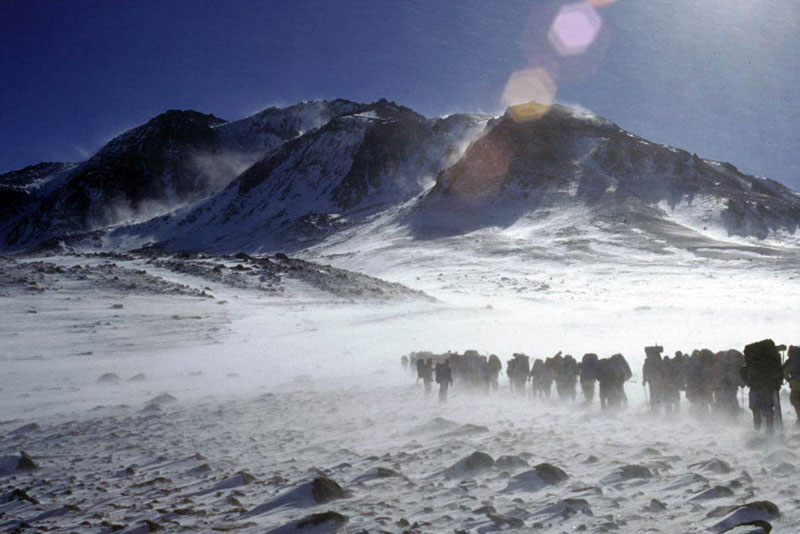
x=289, y=178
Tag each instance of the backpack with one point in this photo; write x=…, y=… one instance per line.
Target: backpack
x=763, y=364
x=794, y=363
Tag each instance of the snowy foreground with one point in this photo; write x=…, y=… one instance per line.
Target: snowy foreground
x=223, y=407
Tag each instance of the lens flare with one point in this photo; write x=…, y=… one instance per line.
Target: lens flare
x=600, y=3
x=530, y=85
x=574, y=29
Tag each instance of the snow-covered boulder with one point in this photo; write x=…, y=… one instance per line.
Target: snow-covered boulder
x=474, y=464
x=746, y=514
x=322, y=523
x=15, y=463
x=535, y=479
x=321, y=490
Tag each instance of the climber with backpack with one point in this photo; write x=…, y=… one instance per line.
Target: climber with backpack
x=763, y=374
x=791, y=372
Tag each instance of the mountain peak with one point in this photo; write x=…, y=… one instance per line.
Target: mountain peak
x=534, y=112
x=286, y=177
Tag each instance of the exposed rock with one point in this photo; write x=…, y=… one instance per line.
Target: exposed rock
x=26, y=463
x=511, y=462
x=320, y=490
x=655, y=506
x=747, y=514
x=475, y=463
x=200, y=470
x=566, y=508
x=164, y=398
x=502, y=520
x=139, y=377
x=321, y=523
x=716, y=492
x=635, y=471
x=755, y=527
x=325, y=490
x=628, y=472
x=152, y=525
x=19, y=495
x=537, y=478
x=108, y=378
x=318, y=519
x=377, y=473
x=714, y=465
x=24, y=429
x=550, y=473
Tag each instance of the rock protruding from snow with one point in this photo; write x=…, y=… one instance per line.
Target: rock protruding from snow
x=108, y=378
x=717, y=492
x=164, y=398
x=15, y=463
x=655, y=506
x=24, y=429
x=377, y=473
x=715, y=465
x=511, y=462
x=566, y=508
x=242, y=478
x=321, y=490
x=325, y=490
x=628, y=472
x=501, y=520
x=472, y=465
x=747, y=514
x=322, y=523
x=18, y=495
x=539, y=477
x=26, y=463
x=756, y=527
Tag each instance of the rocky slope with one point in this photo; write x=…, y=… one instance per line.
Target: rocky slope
x=564, y=157
x=288, y=179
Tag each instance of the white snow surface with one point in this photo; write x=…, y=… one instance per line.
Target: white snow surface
x=287, y=387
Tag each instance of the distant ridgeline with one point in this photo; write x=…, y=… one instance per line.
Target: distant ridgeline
x=285, y=179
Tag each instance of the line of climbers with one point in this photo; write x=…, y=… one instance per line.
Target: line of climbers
x=709, y=380
x=476, y=371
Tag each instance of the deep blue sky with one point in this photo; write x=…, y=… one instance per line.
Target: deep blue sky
x=717, y=77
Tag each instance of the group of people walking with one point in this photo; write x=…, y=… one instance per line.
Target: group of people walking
x=711, y=381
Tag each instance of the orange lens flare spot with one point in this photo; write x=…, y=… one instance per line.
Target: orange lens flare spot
x=528, y=112
x=600, y=3
x=574, y=29
x=534, y=88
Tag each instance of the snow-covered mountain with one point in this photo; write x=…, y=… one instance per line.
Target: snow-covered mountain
x=174, y=160
x=319, y=175
x=568, y=157
x=356, y=165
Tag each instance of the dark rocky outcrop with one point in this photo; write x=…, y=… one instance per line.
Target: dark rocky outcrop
x=757, y=513
x=325, y=490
